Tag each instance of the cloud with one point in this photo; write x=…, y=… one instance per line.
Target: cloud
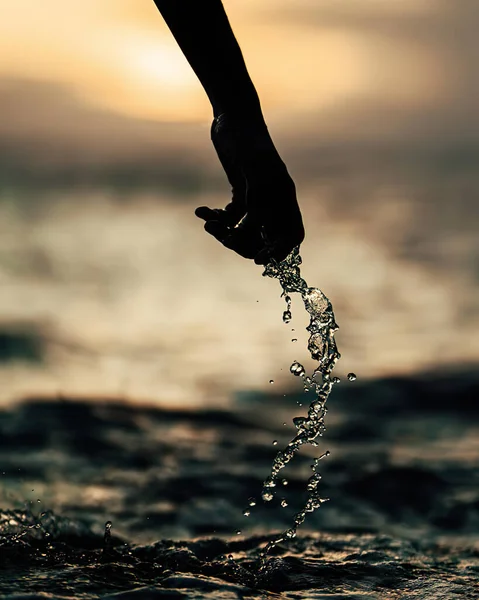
x=431, y=47
x=415, y=18
x=48, y=135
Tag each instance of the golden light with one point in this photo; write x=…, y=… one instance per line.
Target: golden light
x=156, y=64
x=147, y=76
x=119, y=55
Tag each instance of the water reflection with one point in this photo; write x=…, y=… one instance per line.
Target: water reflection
x=134, y=299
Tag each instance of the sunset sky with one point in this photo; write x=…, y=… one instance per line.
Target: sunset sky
x=104, y=82
x=310, y=55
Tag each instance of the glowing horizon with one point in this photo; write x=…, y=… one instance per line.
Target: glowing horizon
x=121, y=56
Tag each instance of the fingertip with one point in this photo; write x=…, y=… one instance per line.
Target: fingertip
x=280, y=256
x=276, y=253
x=217, y=230
x=203, y=212
x=262, y=258
x=213, y=227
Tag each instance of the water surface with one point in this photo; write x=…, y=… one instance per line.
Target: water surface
x=403, y=481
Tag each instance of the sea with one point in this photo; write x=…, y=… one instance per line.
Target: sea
x=146, y=388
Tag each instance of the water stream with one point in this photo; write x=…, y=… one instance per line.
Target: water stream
x=323, y=349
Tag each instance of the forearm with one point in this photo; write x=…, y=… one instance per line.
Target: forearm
x=203, y=32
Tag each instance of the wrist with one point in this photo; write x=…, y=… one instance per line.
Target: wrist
x=246, y=139
x=241, y=123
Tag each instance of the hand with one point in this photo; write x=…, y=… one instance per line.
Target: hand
x=263, y=220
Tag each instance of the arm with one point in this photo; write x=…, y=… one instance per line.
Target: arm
x=263, y=220
x=203, y=32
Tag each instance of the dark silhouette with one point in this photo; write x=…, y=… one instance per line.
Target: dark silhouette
x=263, y=219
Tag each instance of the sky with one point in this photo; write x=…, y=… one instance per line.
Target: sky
x=119, y=54
x=103, y=82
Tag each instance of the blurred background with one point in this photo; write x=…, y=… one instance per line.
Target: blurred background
x=136, y=353
x=109, y=285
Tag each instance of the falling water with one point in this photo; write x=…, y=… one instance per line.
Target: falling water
x=323, y=349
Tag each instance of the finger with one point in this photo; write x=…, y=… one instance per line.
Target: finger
x=263, y=257
x=247, y=238
x=280, y=240
x=281, y=250
x=278, y=252
x=240, y=240
x=209, y=214
x=226, y=236
x=230, y=215
x=217, y=230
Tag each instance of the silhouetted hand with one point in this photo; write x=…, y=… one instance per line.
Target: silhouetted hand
x=263, y=220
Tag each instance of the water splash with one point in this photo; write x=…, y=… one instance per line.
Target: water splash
x=323, y=349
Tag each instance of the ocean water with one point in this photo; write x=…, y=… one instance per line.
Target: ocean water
x=135, y=361
x=402, y=522
x=130, y=297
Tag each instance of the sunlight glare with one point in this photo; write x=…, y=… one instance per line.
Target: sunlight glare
x=157, y=63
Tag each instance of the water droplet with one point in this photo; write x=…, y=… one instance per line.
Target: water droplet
x=284, y=503
x=291, y=533
x=287, y=316
x=38, y=500
x=271, y=380
x=246, y=512
x=313, y=481
x=267, y=496
x=238, y=532
x=297, y=369
x=252, y=501
x=300, y=422
x=336, y=380
x=352, y=376
x=284, y=424
x=284, y=482
x=275, y=442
